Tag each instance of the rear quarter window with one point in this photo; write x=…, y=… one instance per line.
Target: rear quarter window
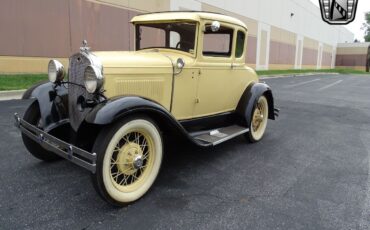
x=240, y=41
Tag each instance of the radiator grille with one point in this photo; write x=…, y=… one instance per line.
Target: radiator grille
x=77, y=65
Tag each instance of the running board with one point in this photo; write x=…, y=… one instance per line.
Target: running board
x=217, y=136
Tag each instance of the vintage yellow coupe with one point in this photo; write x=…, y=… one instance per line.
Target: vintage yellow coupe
x=187, y=77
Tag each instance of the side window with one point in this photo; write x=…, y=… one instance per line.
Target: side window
x=240, y=40
x=217, y=44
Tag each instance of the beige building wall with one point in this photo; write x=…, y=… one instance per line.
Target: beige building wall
x=34, y=31
x=353, y=55
x=327, y=56
x=282, y=49
x=310, y=53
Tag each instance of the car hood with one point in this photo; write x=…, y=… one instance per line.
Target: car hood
x=127, y=59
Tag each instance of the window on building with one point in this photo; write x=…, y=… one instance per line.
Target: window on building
x=240, y=41
x=217, y=44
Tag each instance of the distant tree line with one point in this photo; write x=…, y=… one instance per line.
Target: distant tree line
x=366, y=27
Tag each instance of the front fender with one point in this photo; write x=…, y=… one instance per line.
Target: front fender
x=249, y=100
x=52, y=102
x=114, y=109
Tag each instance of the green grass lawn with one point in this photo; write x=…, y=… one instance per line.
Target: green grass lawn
x=300, y=71
x=20, y=81
x=24, y=81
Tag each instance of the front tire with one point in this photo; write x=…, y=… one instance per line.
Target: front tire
x=129, y=157
x=258, y=124
x=33, y=116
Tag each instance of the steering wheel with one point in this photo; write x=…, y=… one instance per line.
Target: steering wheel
x=183, y=42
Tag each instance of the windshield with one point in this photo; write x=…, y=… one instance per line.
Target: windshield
x=174, y=35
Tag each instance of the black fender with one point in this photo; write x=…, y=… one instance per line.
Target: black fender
x=249, y=99
x=28, y=93
x=116, y=108
x=52, y=100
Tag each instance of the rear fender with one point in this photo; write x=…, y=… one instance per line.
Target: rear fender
x=249, y=99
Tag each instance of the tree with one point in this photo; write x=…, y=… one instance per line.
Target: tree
x=366, y=27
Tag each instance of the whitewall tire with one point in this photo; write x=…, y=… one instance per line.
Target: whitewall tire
x=129, y=159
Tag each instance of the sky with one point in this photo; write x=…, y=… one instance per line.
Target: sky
x=355, y=26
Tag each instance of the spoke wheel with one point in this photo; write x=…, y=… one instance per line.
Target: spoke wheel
x=129, y=159
x=258, y=123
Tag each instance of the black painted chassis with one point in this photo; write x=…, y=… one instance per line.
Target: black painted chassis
x=109, y=111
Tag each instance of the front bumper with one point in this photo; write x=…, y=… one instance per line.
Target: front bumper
x=72, y=153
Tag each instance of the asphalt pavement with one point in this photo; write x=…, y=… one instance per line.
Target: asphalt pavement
x=311, y=171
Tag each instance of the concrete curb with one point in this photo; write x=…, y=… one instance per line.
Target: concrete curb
x=264, y=77
x=11, y=94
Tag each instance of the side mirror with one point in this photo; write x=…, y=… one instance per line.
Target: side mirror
x=215, y=26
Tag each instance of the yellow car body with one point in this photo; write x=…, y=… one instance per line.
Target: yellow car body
x=206, y=86
x=187, y=78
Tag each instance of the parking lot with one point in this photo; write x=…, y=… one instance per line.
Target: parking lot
x=311, y=171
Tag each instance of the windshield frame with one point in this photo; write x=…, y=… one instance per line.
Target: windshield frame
x=137, y=41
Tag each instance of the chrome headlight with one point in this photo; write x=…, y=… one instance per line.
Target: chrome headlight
x=56, y=71
x=93, y=79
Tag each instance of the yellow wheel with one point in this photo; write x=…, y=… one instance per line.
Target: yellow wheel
x=259, y=119
x=130, y=162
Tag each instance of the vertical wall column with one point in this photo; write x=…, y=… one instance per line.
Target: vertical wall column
x=263, y=46
x=333, y=57
x=319, y=56
x=299, y=52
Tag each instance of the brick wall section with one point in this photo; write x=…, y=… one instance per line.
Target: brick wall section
x=326, y=59
x=251, y=49
x=309, y=56
x=351, y=60
x=282, y=53
x=55, y=28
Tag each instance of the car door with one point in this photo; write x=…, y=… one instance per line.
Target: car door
x=184, y=92
x=218, y=83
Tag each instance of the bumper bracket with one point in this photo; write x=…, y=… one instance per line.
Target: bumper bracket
x=63, y=149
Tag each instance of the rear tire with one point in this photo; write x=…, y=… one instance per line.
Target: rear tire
x=33, y=116
x=129, y=157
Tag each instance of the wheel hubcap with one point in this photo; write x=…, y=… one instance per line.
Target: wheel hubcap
x=138, y=162
x=130, y=159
